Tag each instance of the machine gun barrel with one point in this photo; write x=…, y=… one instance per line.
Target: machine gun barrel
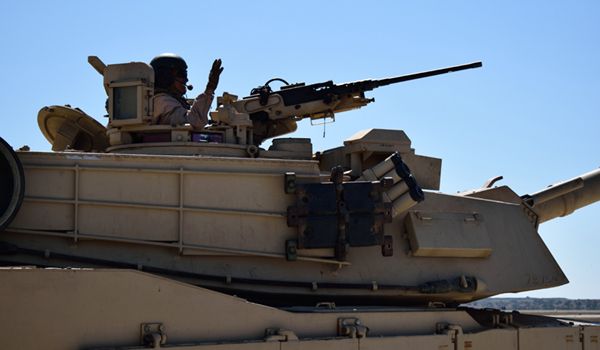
x=420, y=75
x=564, y=198
x=274, y=113
x=366, y=85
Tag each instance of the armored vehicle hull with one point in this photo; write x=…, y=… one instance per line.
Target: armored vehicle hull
x=127, y=309
x=225, y=223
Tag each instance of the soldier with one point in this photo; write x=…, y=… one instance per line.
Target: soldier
x=170, y=106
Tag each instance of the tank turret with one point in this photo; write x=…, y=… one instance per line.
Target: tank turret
x=207, y=216
x=278, y=231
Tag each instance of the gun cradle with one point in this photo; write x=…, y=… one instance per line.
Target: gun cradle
x=273, y=117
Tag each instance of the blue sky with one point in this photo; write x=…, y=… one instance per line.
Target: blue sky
x=530, y=114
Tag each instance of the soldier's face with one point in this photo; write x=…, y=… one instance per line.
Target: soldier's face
x=180, y=82
x=179, y=85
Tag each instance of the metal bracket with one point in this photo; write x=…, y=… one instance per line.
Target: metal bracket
x=502, y=319
x=453, y=330
x=281, y=335
x=351, y=327
x=531, y=215
x=290, y=183
x=153, y=335
x=387, y=248
x=291, y=250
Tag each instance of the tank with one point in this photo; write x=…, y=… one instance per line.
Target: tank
x=135, y=235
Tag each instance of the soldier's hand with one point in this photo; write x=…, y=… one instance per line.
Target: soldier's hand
x=213, y=76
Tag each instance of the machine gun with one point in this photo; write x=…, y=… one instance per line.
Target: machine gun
x=272, y=113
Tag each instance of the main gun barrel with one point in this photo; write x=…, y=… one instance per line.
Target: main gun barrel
x=563, y=198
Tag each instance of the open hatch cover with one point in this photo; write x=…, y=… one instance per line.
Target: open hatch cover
x=70, y=128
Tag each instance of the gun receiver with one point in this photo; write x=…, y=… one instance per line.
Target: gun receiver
x=274, y=113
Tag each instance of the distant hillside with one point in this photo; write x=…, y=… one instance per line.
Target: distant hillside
x=537, y=304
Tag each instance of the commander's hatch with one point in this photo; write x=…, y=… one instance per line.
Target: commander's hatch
x=69, y=128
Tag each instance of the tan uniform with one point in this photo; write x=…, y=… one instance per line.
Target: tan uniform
x=168, y=110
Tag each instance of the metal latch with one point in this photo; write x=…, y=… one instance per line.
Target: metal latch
x=502, y=320
x=277, y=334
x=153, y=335
x=351, y=327
x=453, y=330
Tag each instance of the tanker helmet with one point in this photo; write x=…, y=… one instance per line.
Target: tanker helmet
x=167, y=67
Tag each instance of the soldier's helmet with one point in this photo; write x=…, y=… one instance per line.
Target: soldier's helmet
x=167, y=67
